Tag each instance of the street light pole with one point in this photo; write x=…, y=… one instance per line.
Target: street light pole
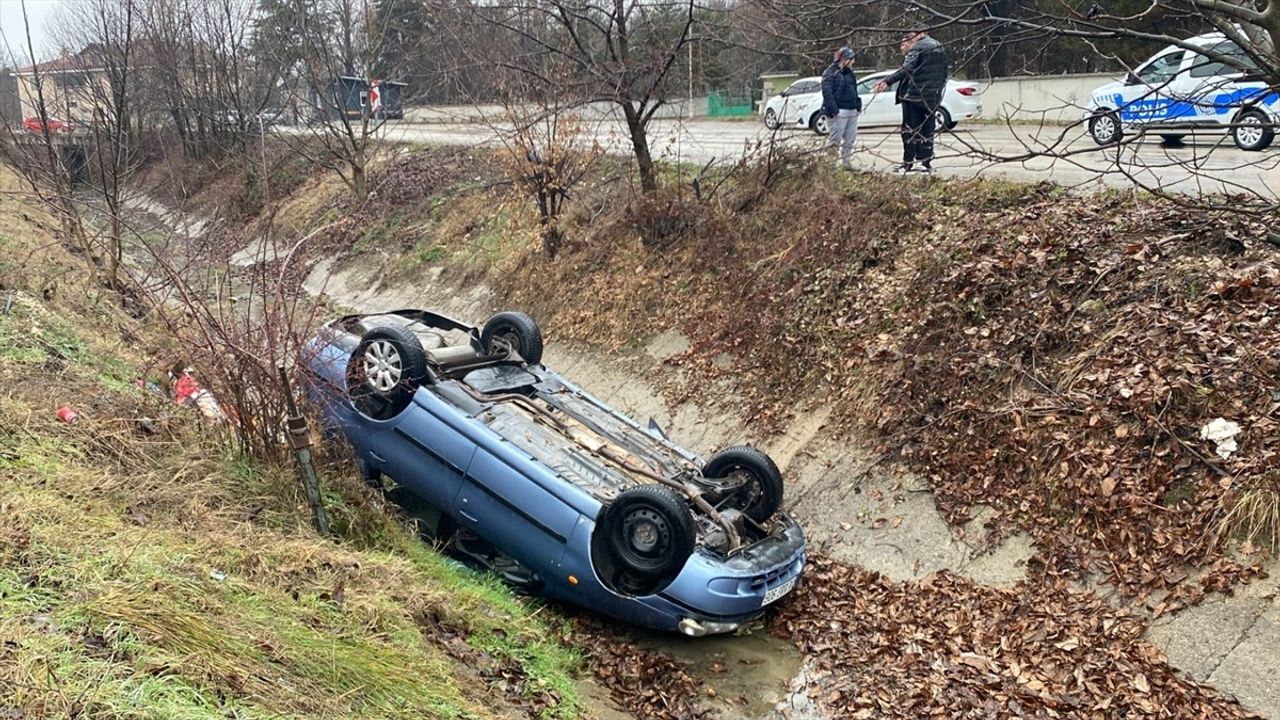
x=690, y=78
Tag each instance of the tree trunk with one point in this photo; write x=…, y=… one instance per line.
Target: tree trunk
x=359, y=184
x=640, y=144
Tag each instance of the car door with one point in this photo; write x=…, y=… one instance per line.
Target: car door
x=1211, y=87
x=794, y=99
x=508, y=500
x=1147, y=96
x=425, y=449
x=877, y=108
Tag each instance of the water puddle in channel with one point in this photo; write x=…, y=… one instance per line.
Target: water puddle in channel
x=749, y=674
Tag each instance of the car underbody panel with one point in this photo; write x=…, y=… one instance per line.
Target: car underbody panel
x=533, y=477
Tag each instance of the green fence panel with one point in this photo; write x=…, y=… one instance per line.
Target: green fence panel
x=722, y=105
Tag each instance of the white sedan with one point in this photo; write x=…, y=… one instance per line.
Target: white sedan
x=800, y=105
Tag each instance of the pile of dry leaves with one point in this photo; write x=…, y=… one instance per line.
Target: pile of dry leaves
x=946, y=647
x=649, y=684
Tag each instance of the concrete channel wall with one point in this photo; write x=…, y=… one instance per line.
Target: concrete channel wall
x=449, y=114
x=1032, y=98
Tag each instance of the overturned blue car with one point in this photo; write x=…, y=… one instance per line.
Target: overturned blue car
x=513, y=468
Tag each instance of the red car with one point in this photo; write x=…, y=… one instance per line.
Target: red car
x=33, y=125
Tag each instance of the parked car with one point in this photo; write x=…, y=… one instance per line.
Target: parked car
x=33, y=125
x=268, y=117
x=528, y=475
x=1180, y=91
x=800, y=105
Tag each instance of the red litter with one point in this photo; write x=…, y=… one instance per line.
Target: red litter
x=67, y=415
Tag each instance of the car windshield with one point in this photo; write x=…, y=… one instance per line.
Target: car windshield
x=1162, y=69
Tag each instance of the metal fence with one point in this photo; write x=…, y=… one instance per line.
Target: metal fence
x=723, y=105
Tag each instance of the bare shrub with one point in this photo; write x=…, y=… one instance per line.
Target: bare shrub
x=546, y=158
x=233, y=327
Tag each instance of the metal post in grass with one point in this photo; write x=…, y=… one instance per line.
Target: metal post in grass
x=300, y=441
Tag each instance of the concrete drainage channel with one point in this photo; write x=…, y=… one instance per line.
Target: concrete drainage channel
x=884, y=521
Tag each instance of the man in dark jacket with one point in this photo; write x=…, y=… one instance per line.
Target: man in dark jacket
x=841, y=104
x=921, y=81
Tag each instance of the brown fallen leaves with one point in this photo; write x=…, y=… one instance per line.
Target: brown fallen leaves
x=946, y=647
x=1048, y=355
x=649, y=684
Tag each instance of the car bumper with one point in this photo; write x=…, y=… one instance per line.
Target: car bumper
x=717, y=595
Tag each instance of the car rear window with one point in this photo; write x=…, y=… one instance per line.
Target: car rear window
x=1203, y=66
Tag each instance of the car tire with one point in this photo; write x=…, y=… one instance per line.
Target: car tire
x=942, y=120
x=771, y=119
x=385, y=371
x=1252, y=131
x=518, y=331
x=762, y=496
x=820, y=124
x=643, y=539
x=1105, y=128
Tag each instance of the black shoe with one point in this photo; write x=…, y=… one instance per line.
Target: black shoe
x=902, y=169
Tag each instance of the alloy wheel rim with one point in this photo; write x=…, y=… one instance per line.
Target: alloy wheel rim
x=1106, y=127
x=1250, y=131
x=383, y=366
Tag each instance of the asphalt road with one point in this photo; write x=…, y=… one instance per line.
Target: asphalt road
x=1203, y=164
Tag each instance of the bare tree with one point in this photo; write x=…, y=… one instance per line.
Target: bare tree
x=102, y=76
x=616, y=52
x=41, y=156
x=331, y=74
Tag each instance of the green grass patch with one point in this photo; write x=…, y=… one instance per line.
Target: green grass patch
x=166, y=576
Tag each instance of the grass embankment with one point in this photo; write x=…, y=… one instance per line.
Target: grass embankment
x=148, y=571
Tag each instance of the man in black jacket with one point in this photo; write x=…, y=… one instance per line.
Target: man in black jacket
x=841, y=104
x=921, y=81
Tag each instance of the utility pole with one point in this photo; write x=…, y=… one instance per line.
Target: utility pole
x=690, y=78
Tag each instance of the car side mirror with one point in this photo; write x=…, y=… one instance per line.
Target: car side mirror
x=1131, y=79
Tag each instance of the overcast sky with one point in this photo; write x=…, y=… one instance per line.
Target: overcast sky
x=13, y=46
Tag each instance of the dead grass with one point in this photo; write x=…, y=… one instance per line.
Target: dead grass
x=1251, y=513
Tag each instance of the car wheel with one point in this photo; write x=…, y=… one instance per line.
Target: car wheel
x=820, y=124
x=642, y=539
x=1105, y=128
x=518, y=331
x=1172, y=140
x=761, y=496
x=385, y=371
x=942, y=120
x=1251, y=131
x=771, y=119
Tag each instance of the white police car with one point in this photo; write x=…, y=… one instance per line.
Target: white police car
x=1179, y=91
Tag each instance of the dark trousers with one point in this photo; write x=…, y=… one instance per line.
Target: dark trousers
x=917, y=131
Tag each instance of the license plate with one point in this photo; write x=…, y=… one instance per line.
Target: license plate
x=775, y=593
